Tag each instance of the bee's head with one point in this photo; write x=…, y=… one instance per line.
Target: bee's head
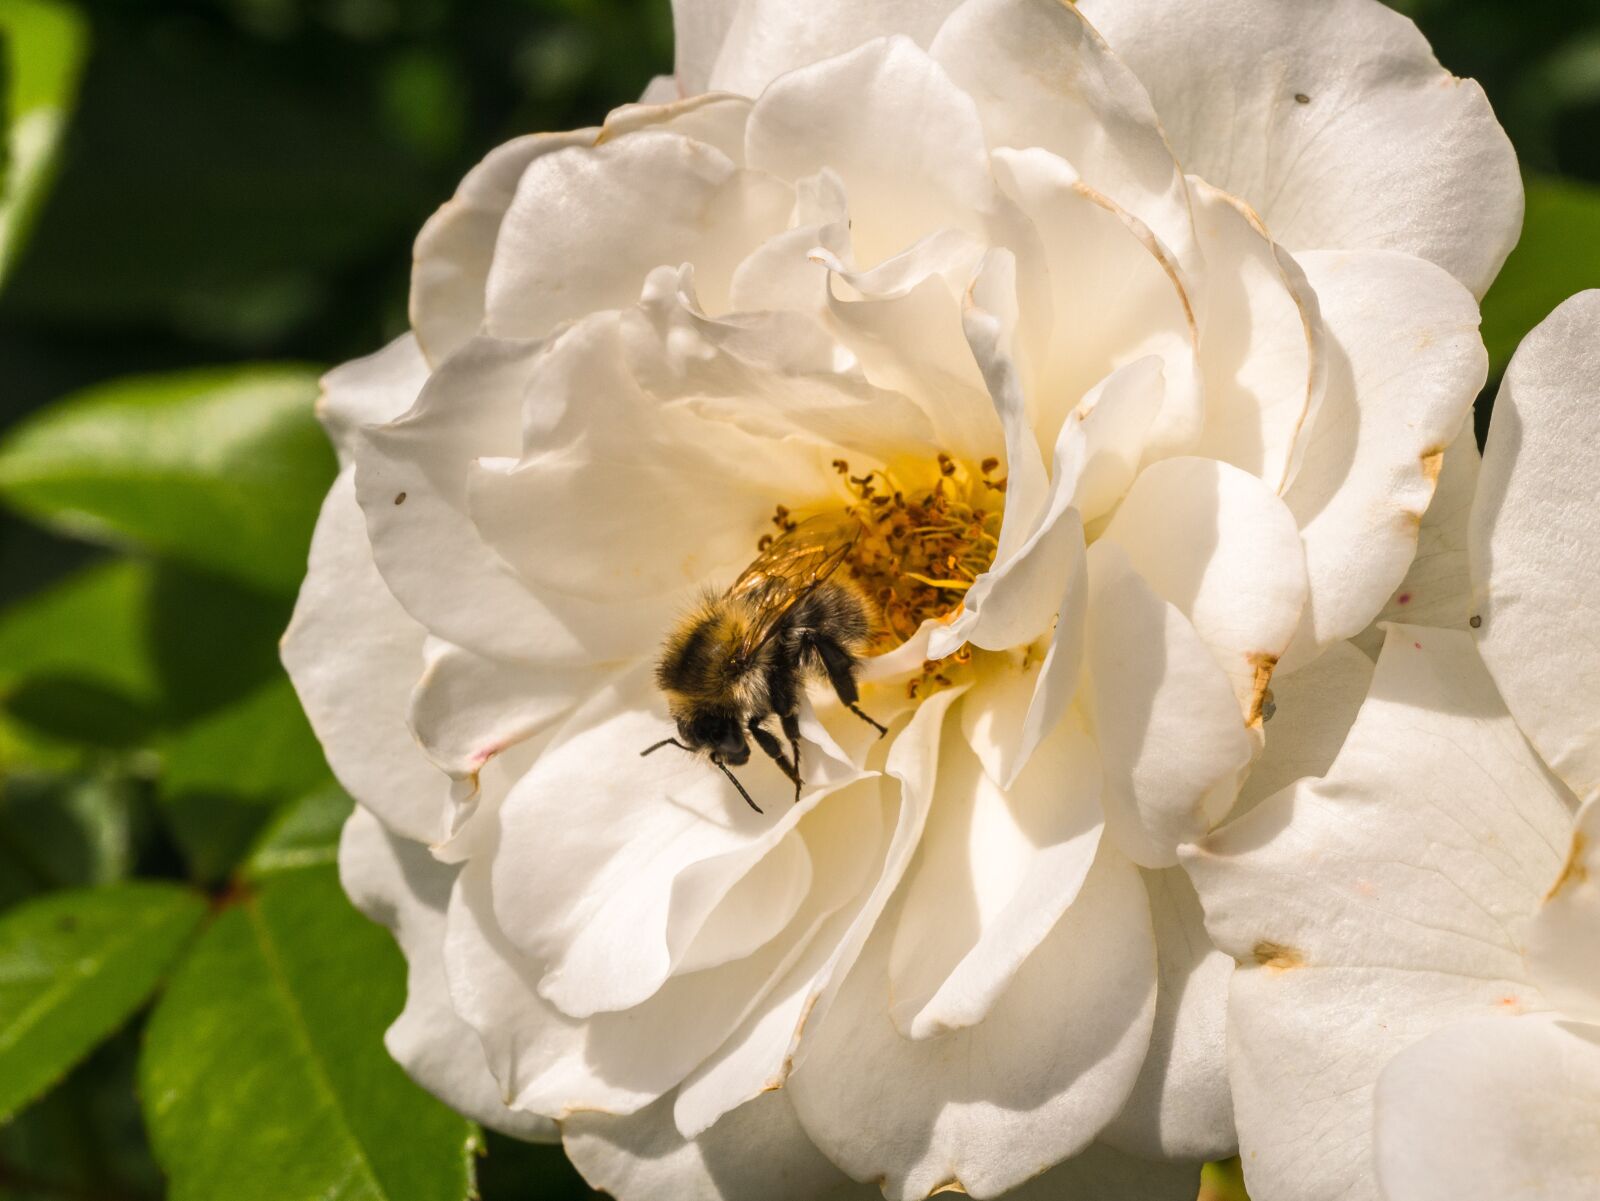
x=716, y=731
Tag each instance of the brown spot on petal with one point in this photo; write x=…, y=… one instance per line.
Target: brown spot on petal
x=1574, y=870
x=1432, y=461
x=1262, y=664
x=1277, y=956
x=1301, y=98
x=399, y=498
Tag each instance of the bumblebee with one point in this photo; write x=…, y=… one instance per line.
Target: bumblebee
x=745, y=655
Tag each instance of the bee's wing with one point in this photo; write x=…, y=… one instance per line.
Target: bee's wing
x=789, y=569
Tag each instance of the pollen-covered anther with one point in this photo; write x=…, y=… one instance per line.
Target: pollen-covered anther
x=921, y=547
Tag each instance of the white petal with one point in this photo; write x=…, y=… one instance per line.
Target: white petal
x=1042, y=77
x=1491, y=1110
x=1180, y=1108
x=904, y=140
x=1096, y=458
x=1563, y=941
x=453, y=254
x=636, y=853
x=559, y=255
x=1313, y=710
x=353, y=655
x=1102, y=1173
x=1114, y=297
x=996, y=870
x=989, y=319
x=699, y=28
x=1404, y=364
x=902, y=319
x=1534, y=551
x=780, y=375
x=466, y=709
x=1260, y=343
x=859, y=845
x=1217, y=543
x=1165, y=715
x=758, y=1152
x=713, y=118
x=1385, y=150
x=1437, y=590
x=376, y=388
x=553, y=1064
x=396, y=882
x=411, y=479
x=987, y=1107
x=769, y=37
x=1371, y=906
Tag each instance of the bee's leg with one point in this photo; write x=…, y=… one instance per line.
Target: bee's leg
x=769, y=744
x=791, y=729
x=840, y=665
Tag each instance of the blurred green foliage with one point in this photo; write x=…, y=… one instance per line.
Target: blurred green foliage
x=204, y=203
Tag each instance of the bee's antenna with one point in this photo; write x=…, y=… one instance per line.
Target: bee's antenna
x=664, y=742
x=735, y=782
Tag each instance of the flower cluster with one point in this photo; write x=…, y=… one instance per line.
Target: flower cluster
x=1134, y=339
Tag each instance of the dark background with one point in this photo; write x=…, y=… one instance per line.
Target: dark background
x=240, y=183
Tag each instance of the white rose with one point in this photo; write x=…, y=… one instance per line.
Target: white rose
x=1418, y=1015
x=945, y=252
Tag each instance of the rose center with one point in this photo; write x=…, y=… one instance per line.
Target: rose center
x=927, y=534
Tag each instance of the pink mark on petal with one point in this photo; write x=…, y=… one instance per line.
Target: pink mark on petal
x=1418, y=645
x=1403, y=599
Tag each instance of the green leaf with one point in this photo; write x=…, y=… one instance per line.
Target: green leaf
x=223, y=469
x=227, y=773
x=63, y=831
x=264, y=1076
x=304, y=833
x=1559, y=254
x=73, y=966
x=44, y=44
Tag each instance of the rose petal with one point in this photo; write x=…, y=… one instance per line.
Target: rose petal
x=397, y=883
x=995, y=872
x=1404, y=364
x=904, y=140
x=982, y=1109
x=767, y=38
x=353, y=655
x=1042, y=77
x=1563, y=940
x=758, y=1150
x=466, y=709
x=454, y=253
x=1217, y=543
x=411, y=479
x=1437, y=590
x=1313, y=710
x=368, y=390
x=1114, y=298
x=713, y=118
x=1534, y=555
x=1337, y=125
x=1102, y=1173
x=1492, y=1109
x=635, y=857
x=1180, y=1108
x=1260, y=343
x=1369, y=907
x=1168, y=724
x=558, y=256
